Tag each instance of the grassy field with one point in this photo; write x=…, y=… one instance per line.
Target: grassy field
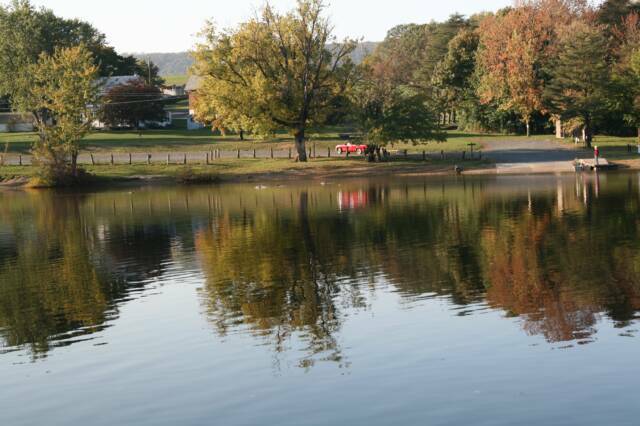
x=204, y=139
x=178, y=80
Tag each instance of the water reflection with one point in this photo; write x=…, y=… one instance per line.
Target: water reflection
x=290, y=265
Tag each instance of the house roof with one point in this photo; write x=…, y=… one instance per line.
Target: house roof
x=193, y=83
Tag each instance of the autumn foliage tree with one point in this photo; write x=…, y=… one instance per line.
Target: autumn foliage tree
x=60, y=96
x=515, y=48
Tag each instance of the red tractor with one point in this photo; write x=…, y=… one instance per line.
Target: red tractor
x=351, y=149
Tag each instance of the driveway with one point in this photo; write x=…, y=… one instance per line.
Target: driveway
x=533, y=151
x=516, y=157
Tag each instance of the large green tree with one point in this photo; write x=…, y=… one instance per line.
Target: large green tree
x=61, y=91
x=275, y=71
x=26, y=32
x=579, y=86
x=386, y=114
x=626, y=70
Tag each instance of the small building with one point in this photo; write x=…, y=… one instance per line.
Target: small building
x=16, y=122
x=173, y=90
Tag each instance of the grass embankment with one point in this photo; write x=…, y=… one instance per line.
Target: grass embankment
x=256, y=170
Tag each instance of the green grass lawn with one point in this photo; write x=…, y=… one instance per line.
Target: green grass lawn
x=205, y=139
x=615, y=147
x=175, y=79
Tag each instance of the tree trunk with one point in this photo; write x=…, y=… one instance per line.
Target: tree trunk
x=300, y=146
x=587, y=133
x=241, y=134
x=528, y=127
x=74, y=163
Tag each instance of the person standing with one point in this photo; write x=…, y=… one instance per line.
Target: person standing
x=596, y=154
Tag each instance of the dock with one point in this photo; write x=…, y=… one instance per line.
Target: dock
x=590, y=164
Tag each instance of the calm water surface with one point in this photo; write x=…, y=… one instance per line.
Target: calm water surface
x=456, y=301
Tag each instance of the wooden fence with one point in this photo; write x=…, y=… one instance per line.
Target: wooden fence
x=212, y=156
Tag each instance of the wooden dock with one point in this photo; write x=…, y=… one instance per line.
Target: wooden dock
x=590, y=164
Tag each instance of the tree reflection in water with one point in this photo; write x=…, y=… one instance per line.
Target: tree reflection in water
x=291, y=264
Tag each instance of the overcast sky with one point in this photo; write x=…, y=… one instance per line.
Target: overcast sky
x=170, y=26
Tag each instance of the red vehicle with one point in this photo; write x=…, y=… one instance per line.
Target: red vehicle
x=351, y=149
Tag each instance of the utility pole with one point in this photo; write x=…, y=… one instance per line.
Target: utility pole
x=149, y=69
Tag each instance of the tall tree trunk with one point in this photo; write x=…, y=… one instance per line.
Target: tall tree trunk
x=528, y=123
x=587, y=133
x=300, y=146
x=241, y=134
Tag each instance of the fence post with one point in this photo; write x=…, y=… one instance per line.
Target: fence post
x=314, y=150
x=207, y=160
x=93, y=162
x=289, y=153
x=148, y=158
x=185, y=159
x=254, y=153
x=112, y=159
x=272, y=153
x=168, y=159
x=424, y=155
x=130, y=159
x=20, y=159
x=238, y=153
x=328, y=152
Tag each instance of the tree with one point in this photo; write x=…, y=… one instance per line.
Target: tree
x=132, y=104
x=453, y=77
x=626, y=70
x=514, y=48
x=387, y=114
x=275, y=71
x=580, y=76
x=26, y=32
x=611, y=13
x=149, y=71
x=62, y=89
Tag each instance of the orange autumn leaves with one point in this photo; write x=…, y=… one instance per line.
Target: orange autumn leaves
x=515, y=48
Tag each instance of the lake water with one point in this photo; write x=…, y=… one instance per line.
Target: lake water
x=433, y=301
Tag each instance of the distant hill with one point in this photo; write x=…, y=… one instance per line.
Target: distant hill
x=176, y=64
x=169, y=63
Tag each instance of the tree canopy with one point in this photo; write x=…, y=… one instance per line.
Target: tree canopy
x=132, y=104
x=276, y=71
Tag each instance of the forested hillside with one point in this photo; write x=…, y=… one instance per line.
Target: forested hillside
x=178, y=63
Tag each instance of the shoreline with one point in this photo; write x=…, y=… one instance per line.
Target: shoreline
x=309, y=174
